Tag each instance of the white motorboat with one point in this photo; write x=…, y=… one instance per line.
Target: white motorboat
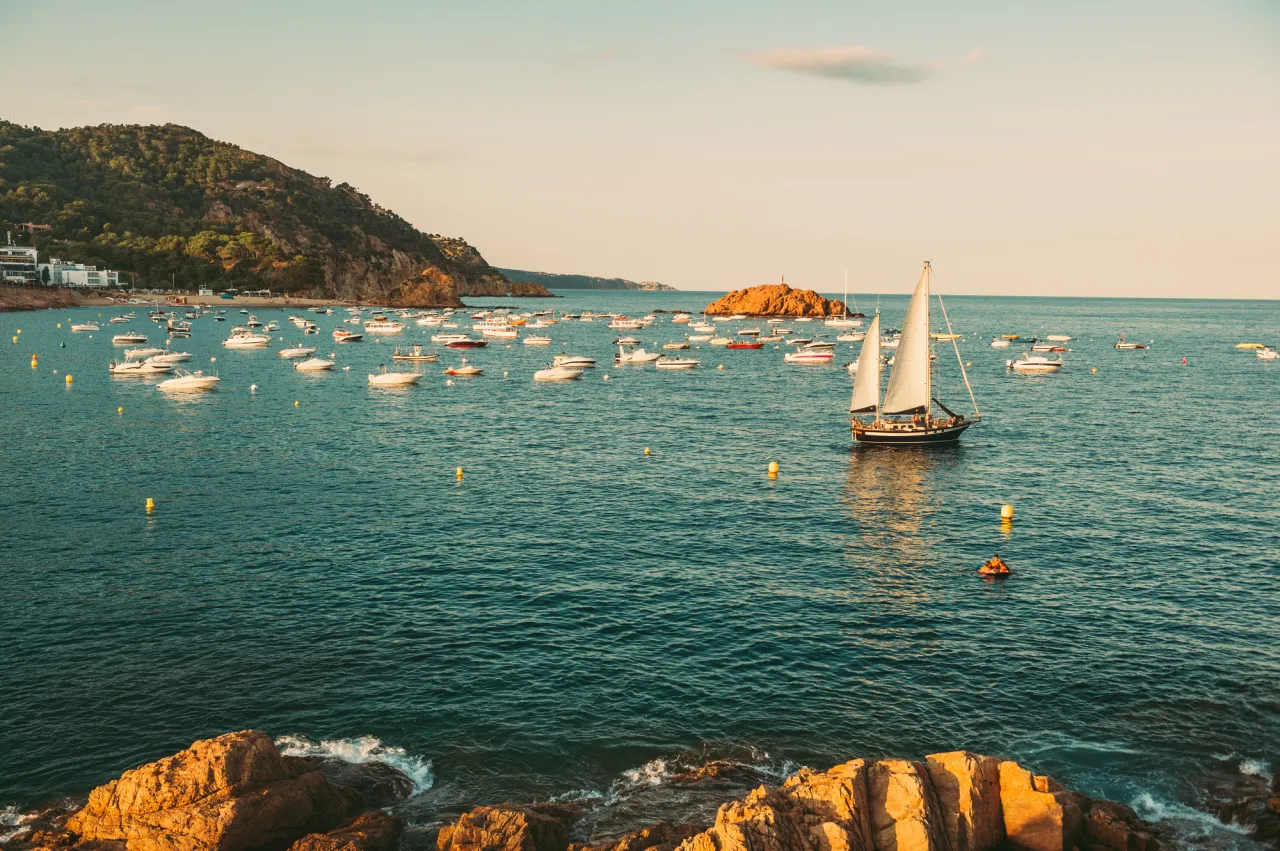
x=464, y=370
x=297, y=352
x=129, y=338
x=342, y=335
x=700, y=338
x=313, y=365
x=1267, y=353
x=1000, y=343
x=394, y=379
x=680, y=318
x=382, y=325
x=243, y=338
x=120, y=320
x=749, y=332
x=557, y=373
x=253, y=321
x=851, y=337
x=428, y=321
x=186, y=381
x=171, y=357
x=535, y=340
x=637, y=356
x=622, y=323
x=87, y=326
x=1034, y=363
x=799, y=341
x=703, y=328
x=852, y=367
x=272, y=326
x=812, y=357
x=819, y=346
x=627, y=341
x=676, y=363
x=574, y=361
x=1058, y=338
x=720, y=341
x=143, y=354
x=447, y=338
x=504, y=333
x=415, y=354
x=674, y=347
x=140, y=367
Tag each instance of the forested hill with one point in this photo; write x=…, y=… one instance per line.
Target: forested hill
x=556, y=281
x=167, y=200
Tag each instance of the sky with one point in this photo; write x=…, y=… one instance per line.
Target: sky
x=1027, y=148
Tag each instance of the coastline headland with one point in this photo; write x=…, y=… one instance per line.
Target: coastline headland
x=775, y=300
x=37, y=298
x=237, y=792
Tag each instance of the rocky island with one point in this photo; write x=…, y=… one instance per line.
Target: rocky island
x=775, y=300
x=237, y=792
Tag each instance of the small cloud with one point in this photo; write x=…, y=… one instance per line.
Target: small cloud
x=150, y=114
x=855, y=63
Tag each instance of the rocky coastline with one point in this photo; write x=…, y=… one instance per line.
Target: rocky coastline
x=36, y=298
x=775, y=300
x=237, y=792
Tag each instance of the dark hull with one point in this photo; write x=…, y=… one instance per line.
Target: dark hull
x=910, y=437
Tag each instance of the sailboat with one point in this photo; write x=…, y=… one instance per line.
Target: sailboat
x=844, y=320
x=905, y=416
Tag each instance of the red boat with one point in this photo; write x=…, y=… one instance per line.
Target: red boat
x=743, y=344
x=467, y=344
x=342, y=335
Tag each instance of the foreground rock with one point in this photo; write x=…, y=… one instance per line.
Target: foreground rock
x=775, y=300
x=232, y=793
x=36, y=298
x=954, y=801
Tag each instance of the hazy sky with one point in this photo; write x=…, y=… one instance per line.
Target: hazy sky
x=1066, y=148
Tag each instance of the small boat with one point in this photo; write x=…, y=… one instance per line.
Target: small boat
x=139, y=367
x=1000, y=343
x=720, y=341
x=143, y=354
x=382, y=325
x=947, y=337
x=674, y=347
x=505, y=333
x=87, y=326
x=447, y=338
x=852, y=367
x=557, y=373
x=535, y=340
x=187, y=381
x=1058, y=338
x=1267, y=353
x=994, y=567
x=574, y=361
x=749, y=332
x=170, y=358
x=680, y=319
x=342, y=335
x=1121, y=344
x=254, y=322
x=743, y=344
x=676, y=363
x=297, y=352
x=272, y=326
x=637, y=356
x=394, y=379
x=129, y=338
x=622, y=323
x=1011, y=336
x=699, y=338
x=466, y=343
x=464, y=370
x=1034, y=363
x=1045, y=347
x=818, y=346
x=243, y=338
x=313, y=365
x=120, y=320
x=1238, y=345
x=627, y=341
x=809, y=357
x=415, y=354
x=855, y=337
x=799, y=341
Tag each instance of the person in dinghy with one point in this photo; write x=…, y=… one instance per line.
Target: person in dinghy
x=995, y=566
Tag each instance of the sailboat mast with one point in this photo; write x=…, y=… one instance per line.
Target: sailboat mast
x=928, y=364
x=845, y=303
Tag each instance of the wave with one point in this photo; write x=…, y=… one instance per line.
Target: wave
x=12, y=817
x=681, y=770
x=361, y=750
x=1189, y=820
x=1256, y=767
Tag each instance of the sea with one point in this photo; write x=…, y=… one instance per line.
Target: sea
x=616, y=592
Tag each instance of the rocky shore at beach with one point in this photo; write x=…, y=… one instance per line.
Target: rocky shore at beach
x=36, y=298
x=236, y=792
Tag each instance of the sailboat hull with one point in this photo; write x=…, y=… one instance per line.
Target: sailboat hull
x=908, y=435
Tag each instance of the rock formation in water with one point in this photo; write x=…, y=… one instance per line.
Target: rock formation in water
x=775, y=300
x=237, y=793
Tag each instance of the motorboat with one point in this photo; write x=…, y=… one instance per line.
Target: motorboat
x=809, y=357
x=1251, y=345
x=574, y=361
x=384, y=378
x=464, y=370
x=414, y=354
x=1267, y=353
x=1122, y=344
x=703, y=328
x=818, y=346
x=947, y=337
x=140, y=367
x=744, y=344
x=720, y=341
x=699, y=338
x=852, y=367
x=87, y=326
x=129, y=338
x=1058, y=338
x=627, y=341
x=187, y=381
x=1034, y=363
x=297, y=352
x=143, y=354
x=343, y=335
x=313, y=365
x=504, y=333
x=253, y=321
x=674, y=347
x=851, y=337
x=170, y=358
x=680, y=318
x=243, y=338
x=535, y=340
x=120, y=320
x=466, y=343
x=382, y=325
x=749, y=332
x=1000, y=343
x=557, y=373
x=770, y=338
x=799, y=341
x=637, y=356
x=447, y=338
x=272, y=326
x=676, y=363
x=622, y=323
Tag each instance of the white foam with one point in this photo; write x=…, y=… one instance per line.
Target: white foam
x=361, y=750
x=653, y=773
x=1201, y=823
x=11, y=817
x=1256, y=767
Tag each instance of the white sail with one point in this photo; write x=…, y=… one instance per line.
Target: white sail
x=866, y=383
x=909, y=389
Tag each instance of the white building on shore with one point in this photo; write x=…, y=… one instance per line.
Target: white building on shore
x=18, y=265
x=78, y=275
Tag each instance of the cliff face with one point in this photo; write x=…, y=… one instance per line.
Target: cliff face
x=162, y=201
x=775, y=300
x=36, y=298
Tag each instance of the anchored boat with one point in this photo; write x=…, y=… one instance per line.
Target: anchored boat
x=906, y=414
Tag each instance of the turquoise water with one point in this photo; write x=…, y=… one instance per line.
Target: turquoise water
x=574, y=618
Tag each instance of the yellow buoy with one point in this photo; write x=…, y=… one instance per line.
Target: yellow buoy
x=19, y=331
x=15, y=339
x=1094, y=370
x=459, y=474
x=151, y=504
x=1006, y=512
x=119, y=410
x=68, y=378
x=295, y=403
x=646, y=450
x=59, y=324
x=773, y=469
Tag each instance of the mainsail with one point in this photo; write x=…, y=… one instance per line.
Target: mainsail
x=866, y=383
x=909, y=390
